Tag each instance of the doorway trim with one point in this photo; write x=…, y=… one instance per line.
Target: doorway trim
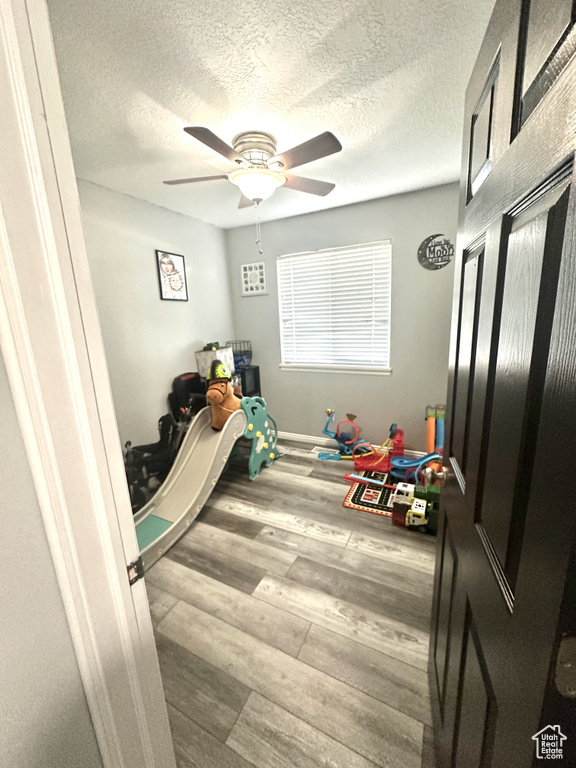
x=54, y=356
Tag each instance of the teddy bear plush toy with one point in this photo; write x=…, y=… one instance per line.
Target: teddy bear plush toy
x=220, y=394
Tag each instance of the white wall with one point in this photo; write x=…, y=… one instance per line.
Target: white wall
x=44, y=718
x=421, y=307
x=148, y=341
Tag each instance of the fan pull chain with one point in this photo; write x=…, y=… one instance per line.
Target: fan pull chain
x=259, y=236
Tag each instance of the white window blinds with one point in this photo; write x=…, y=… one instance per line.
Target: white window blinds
x=335, y=308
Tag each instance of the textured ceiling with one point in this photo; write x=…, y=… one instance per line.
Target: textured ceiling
x=387, y=77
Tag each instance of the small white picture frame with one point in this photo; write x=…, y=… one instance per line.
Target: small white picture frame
x=253, y=279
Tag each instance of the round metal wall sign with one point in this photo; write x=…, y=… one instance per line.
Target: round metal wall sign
x=435, y=252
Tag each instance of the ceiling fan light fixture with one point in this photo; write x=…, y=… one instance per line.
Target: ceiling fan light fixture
x=257, y=184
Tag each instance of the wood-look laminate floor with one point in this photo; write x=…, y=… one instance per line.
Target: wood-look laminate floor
x=293, y=632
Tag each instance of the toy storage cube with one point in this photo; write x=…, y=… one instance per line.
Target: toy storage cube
x=204, y=359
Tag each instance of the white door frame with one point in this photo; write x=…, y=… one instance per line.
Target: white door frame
x=51, y=343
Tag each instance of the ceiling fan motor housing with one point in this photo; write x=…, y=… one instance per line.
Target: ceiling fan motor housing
x=255, y=146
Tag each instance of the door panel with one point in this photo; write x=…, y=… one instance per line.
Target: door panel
x=477, y=705
x=521, y=354
x=482, y=131
x=507, y=532
x=482, y=363
x=463, y=386
x=549, y=42
x=448, y=570
x=547, y=24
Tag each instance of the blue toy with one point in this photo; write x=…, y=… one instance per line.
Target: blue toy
x=404, y=468
x=346, y=434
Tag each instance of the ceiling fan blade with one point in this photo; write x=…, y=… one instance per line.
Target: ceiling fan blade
x=321, y=146
x=197, y=178
x=312, y=186
x=245, y=202
x=206, y=136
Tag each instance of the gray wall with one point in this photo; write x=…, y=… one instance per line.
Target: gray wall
x=149, y=341
x=44, y=718
x=421, y=307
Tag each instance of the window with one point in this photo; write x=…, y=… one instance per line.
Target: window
x=335, y=308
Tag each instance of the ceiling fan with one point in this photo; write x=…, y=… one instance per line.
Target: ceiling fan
x=260, y=170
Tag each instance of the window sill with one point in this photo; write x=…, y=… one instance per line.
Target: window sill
x=336, y=369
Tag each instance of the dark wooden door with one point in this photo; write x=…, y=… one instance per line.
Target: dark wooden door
x=505, y=585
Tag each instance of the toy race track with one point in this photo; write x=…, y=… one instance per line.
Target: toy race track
x=201, y=459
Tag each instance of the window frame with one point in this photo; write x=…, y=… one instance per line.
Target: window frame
x=372, y=369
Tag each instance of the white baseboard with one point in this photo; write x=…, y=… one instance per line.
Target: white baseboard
x=327, y=442
x=311, y=439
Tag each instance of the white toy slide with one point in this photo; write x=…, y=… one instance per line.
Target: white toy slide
x=199, y=463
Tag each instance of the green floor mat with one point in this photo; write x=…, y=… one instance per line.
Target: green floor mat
x=150, y=529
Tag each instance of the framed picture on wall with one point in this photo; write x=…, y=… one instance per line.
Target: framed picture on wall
x=171, y=276
x=253, y=278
